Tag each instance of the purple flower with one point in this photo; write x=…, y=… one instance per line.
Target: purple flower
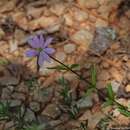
x=40, y=48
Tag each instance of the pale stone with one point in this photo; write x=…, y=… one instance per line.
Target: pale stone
x=116, y=74
x=68, y=19
x=2, y=33
x=20, y=37
x=61, y=56
x=85, y=102
x=69, y=48
x=13, y=45
x=101, y=23
x=52, y=111
x=80, y=15
x=70, y=76
x=101, y=84
x=34, y=106
x=8, y=6
x=58, y=9
x=115, y=86
x=127, y=88
x=43, y=95
x=34, y=12
x=83, y=38
x=128, y=76
x=19, y=96
x=103, y=75
x=93, y=118
x=91, y=4
x=42, y=22
x=21, y=20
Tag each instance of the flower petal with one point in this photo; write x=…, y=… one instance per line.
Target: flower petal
x=49, y=50
x=34, y=41
x=43, y=57
x=31, y=53
x=41, y=40
x=48, y=41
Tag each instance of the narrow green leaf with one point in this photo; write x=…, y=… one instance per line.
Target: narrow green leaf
x=93, y=76
x=107, y=103
x=110, y=92
x=124, y=112
x=3, y=61
x=58, y=67
x=74, y=66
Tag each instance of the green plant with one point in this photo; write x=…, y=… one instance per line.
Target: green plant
x=65, y=92
x=31, y=83
x=4, y=110
x=103, y=123
x=73, y=111
x=3, y=61
x=72, y=108
x=92, y=86
x=83, y=126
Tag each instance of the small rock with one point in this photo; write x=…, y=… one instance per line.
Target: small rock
x=128, y=64
x=80, y=16
x=9, y=80
x=6, y=93
x=105, y=65
x=34, y=106
x=101, y=23
x=45, y=122
x=9, y=125
x=54, y=28
x=70, y=76
x=11, y=88
x=90, y=4
x=115, y=86
x=116, y=74
x=83, y=38
x=128, y=76
x=20, y=37
x=34, y=12
x=103, y=75
x=21, y=20
x=42, y=22
x=85, y=102
x=43, y=95
x=58, y=8
x=93, y=118
x=68, y=19
x=8, y=6
x=101, y=84
x=14, y=103
x=19, y=96
x=127, y=88
x=2, y=33
x=29, y=116
x=52, y=111
x=13, y=46
x=69, y=48
x=61, y=56
x=103, y=39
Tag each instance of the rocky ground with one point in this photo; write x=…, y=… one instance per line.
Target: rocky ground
x=85, y=32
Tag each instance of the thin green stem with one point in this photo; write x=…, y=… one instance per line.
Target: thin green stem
x=85, y=80
x=68, y=68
